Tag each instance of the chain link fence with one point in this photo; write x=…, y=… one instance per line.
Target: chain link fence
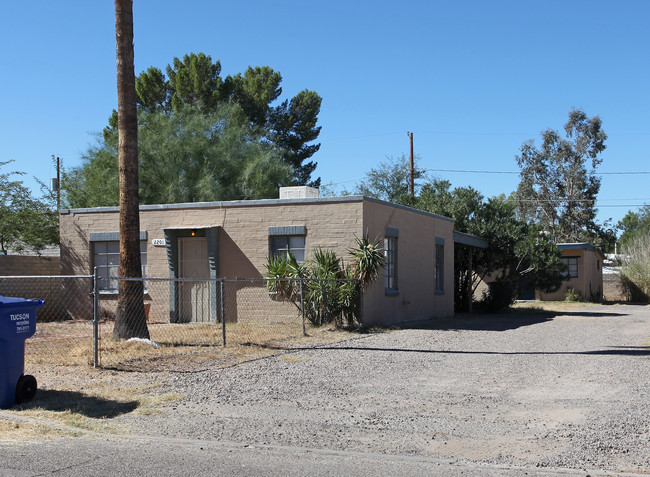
x=178, y=322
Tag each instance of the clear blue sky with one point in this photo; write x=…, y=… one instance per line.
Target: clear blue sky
x=471, y=79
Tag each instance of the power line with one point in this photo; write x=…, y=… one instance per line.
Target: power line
x=466, y=171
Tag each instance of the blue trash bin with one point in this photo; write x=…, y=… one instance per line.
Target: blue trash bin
x=17, y=323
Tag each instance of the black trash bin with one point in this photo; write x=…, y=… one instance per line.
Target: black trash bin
x=17, y=323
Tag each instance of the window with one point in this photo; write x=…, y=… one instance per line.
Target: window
x=288, y=240
x=572, y=264
x=106, y=257
x=283, y=245
x=390, y=252
x=440, y=266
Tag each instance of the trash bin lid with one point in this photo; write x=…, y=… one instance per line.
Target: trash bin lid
x=16, y=301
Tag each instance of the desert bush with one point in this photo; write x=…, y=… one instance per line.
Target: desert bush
x=573, y=295
x=635, y=269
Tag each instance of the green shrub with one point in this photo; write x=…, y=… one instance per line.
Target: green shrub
x=501, y=293
x=573, y=295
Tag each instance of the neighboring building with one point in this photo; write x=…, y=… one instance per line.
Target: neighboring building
x=28, y=266
x=584, y=275
x=233, y=239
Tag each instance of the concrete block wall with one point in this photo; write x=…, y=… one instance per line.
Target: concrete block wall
x=47, y=289
x=330, y=223
x=243, y=237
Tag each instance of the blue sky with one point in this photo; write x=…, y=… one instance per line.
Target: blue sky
x=471, y=79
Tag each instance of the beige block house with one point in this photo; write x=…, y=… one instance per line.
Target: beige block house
x=233, y=239
x=585, y=274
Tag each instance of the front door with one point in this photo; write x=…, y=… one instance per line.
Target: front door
x=194, y=296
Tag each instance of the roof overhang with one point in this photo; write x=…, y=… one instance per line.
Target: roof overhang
x=469, y=240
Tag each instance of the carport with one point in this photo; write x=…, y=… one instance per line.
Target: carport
x=464, y=246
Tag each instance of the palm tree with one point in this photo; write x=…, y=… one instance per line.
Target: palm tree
x=130, y=320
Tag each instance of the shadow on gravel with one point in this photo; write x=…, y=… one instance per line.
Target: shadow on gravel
x=510, y=320
x=622, y=351
x=89, y=406
x=589, y=313
x=614, y=351
x=497, y=322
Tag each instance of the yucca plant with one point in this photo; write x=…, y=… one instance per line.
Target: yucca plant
x=282, y=269
x=349, y=299
x=332, y=292
x=322, y=304
x=368, y=260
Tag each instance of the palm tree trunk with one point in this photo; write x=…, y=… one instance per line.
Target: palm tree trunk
x=130, y=320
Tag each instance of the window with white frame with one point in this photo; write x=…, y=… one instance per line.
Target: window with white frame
x=572, y=266
x=287, y=240
x=390, y=253
x=440, y=266
x=106, y=257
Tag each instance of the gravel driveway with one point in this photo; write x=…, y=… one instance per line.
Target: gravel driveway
x=569, y=390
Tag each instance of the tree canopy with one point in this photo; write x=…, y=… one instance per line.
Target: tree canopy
x=206, y=137
x=389, y=180
x=196, y=80
x=516, y=252
x=187, y=155
x=26, y=222
x=634, y=224
x=558, y=186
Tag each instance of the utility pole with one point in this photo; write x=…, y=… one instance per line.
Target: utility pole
x=56, y=185
x=410, y=135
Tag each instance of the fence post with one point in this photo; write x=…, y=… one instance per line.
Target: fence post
x=360, y=302
x=223, y=311
x=302, y=305
x=95, y=320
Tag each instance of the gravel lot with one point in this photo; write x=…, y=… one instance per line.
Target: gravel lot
x=569, y=390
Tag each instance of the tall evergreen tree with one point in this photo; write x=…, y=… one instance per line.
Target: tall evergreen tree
x=196, y=80
x=558, y=186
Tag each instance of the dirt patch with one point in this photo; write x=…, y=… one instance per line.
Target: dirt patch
x=537, y=389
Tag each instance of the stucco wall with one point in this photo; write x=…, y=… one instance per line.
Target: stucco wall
x=417, y=298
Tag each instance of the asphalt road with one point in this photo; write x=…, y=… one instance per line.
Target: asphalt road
x=144, y=456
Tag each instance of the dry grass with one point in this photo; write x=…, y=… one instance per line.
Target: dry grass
x=179, y=346
x=74, y=398
x=68, y=409
x=555, y=306
x=13, y=431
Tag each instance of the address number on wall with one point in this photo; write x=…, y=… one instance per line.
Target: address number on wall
x=158, y=242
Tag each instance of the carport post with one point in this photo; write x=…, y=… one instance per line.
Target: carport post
x=470, y=291
x=95, y=320
x=223, y=312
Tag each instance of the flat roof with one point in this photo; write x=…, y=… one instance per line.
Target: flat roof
x=257, y=202
x=580, y=246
